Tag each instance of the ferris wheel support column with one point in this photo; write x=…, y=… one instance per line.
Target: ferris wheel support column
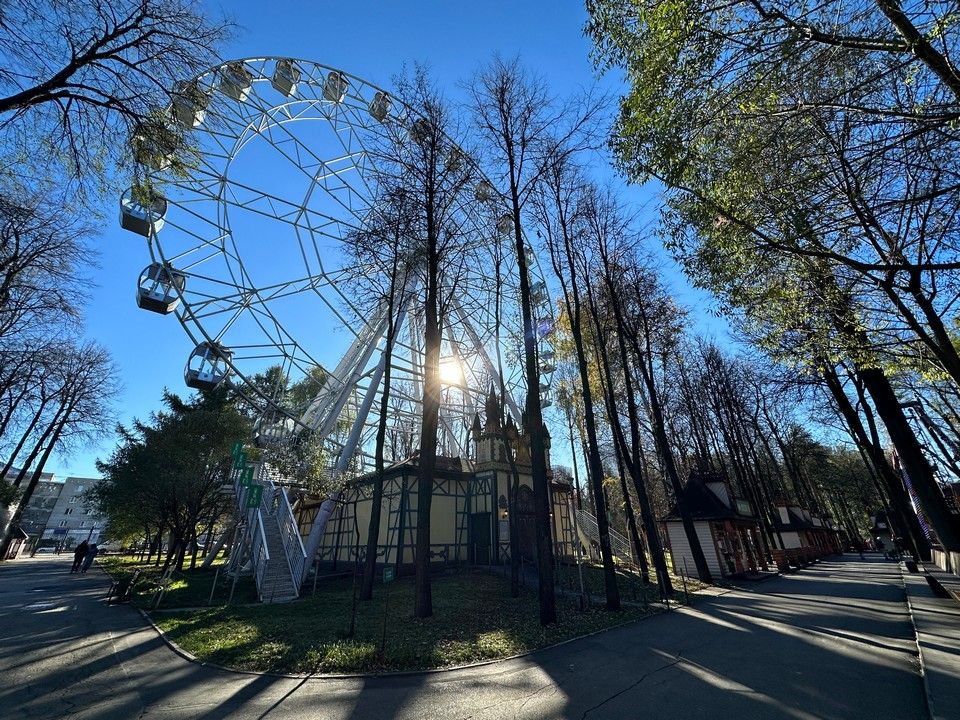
x=325, y=409
x=349, y=448
x=343, y=460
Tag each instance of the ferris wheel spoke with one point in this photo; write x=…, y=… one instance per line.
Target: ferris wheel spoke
x=319, y=171
x=247, y=197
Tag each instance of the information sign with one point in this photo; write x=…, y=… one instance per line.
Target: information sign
x=254, y=496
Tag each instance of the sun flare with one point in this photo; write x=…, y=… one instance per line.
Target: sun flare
x=450, y=372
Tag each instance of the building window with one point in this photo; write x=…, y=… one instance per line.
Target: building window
x=82, y=523
x=79, y=488
x=73, y=499
x=63, y=523
x=68, y=511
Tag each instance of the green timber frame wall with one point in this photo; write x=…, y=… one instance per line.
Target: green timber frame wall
x=563, y=535
x=456, y=497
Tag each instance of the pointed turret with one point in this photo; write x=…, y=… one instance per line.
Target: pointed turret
x=477, y=429
x=493, y=411
x=511, y=428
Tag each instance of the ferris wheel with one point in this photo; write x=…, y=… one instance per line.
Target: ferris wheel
x=249, y=240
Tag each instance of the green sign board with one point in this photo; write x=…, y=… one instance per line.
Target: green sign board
x=236, y=449
x=239, y=460
x=389, y=573
x=254, y=496
x=246, y=475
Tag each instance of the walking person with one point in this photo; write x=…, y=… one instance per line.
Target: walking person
x=79, y=553
x=88, y=558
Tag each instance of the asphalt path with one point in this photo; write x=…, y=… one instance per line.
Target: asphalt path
x=833, y=641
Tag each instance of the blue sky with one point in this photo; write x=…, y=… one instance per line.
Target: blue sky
x=371, y=40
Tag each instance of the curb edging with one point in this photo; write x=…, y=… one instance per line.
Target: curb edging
x=927, y=694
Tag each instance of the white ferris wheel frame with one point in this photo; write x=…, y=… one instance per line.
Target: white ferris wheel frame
x=346, y=381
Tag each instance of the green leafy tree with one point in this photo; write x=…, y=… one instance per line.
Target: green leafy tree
x=166, y=474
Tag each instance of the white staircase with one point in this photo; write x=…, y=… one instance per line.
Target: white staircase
x=276, y=583
x=276, y=556
x=590, y=537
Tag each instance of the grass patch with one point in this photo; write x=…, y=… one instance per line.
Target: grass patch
x=629, y=583
x=474, y=619
x=190, y=588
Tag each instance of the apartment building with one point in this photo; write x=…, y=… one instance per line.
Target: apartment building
x=36, y=514
x=70, y=520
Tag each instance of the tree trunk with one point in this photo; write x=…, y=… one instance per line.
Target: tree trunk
x=194, y=550
x=670, y=470
x=218, y=545
x=423, y=599
x=911, y=456
x=16, y=451
x=546, y=593
x=894, y=486
x=632, y=524
x=53, y=438
x=208, y=536
x=376, y=507
x=594, y=463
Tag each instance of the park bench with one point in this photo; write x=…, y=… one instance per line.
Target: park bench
x=121, y=590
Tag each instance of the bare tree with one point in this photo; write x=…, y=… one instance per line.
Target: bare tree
x=76, y=79
x=42, y=247
x=557, y=211
x=81, y=414
x=652, y=332
x=387, y=252
x=422, y=156
x=524, y=129
x=611, y=239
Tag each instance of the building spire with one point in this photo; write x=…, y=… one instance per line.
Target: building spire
x=493, y=411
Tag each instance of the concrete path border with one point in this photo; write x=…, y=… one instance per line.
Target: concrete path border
x=936, y=626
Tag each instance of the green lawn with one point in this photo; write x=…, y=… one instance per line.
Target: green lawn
x=190, y=588
x=628, y=581
x=474, y=619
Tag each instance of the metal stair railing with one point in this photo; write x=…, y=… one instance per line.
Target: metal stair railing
x=618, y=543
x=278, y=506
x=292, y=542
x=259, y=554
x=259, y=551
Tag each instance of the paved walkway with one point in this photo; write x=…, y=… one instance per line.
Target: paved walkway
x=830, y=642
x=937, y=621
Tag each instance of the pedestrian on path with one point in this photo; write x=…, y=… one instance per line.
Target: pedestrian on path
x=88, y=558
x=78, y=555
